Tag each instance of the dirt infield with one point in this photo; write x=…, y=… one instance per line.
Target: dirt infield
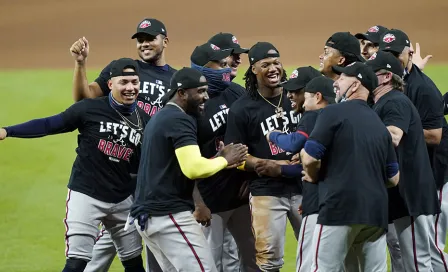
x=38, y=34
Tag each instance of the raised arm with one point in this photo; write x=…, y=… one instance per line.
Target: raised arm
x=81, y=88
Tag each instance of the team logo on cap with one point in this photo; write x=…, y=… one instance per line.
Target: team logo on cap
x=294, y=74
x=235, y=40
x=145, y=24
x=388, y=38
x=374, y=29
x=214, y=47
x=372, y=57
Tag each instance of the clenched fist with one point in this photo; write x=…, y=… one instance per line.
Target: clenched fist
x=80, y=49
x=3, y=134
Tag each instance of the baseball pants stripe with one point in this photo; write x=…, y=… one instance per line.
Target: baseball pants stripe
x=83, y=216
x=332, y=244
x=178, y=243
x=304, y=256
x=269, y=215
x=414, y=237
x=439, y=231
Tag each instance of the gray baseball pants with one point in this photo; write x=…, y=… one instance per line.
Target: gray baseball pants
x=178, y=243
x=235, y=227
x=83, y=216
x=269, y=215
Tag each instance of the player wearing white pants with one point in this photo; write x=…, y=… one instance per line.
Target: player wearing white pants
x=304, y=256
x=439, y=229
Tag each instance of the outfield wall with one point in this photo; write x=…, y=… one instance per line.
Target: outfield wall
x=38, y=34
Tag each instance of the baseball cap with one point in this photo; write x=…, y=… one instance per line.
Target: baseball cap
x=119, y=65
x=228, y=41
x=387, y=61
x=345, y=42
x=185, y=78
x=150, y=26
x=362, y=72
x=299, y=78
x=373, y=34
x=208, y=52
x=394, y=40
x=323, y=85
x=262, y=50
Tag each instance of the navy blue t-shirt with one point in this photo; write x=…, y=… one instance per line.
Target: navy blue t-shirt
x=417, y=188
x=358, y=148
x=162, y=188
x=429, y=102
x=310, y=193
x=249, y=120
x=220, y=192
x=154, y=83
x=108, y=149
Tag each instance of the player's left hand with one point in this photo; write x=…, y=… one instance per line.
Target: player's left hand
x=268, y=168
x=203, y=215
x=417, y=58
x=306, y=177
x=3, y=134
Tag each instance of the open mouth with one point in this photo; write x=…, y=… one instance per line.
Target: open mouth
x=129, y=96
x=147, y=51
x=273, y=78
x=201, y=107
x=293, y=104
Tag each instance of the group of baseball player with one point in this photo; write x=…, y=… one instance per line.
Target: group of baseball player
x=204, y=173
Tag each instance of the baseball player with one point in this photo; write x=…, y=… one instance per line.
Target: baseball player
x=100, y=186
x=341, y=49
x=370, y=40
x=318, y=94
x=220, y=192
x=264, y=108
x=350, y=151
x=230, y=259
x=171, y=161
x=415, y=198
x=425, y=96
x=155, y=74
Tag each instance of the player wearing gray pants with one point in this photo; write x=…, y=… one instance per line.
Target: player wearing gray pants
x=84, y=214
x=233, y=226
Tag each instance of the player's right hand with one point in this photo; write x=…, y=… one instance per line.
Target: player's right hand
x=3, y=134
x=235, y=154
x=80, y=49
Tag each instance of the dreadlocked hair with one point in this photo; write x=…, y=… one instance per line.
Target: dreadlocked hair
x=250, y=82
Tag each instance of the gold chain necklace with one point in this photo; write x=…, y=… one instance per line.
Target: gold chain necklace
x=137, y=126
x=278, y=109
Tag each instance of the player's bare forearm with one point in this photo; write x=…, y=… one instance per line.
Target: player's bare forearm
x=433, y=136
x=393, y=181
x=198, y=201
x=310, y=165
x=81, y=87
x=251, y=161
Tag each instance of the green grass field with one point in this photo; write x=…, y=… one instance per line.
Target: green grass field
x=34, y=172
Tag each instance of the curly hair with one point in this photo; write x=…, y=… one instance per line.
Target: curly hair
x=251, y=84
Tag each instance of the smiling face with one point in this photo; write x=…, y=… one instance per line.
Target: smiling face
x=343, y=85
x=195, y=99
x=268, y=71
x=234, y=61
x=297, y=99
x=125, y=88
x=150, y=48
x=330, y=57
